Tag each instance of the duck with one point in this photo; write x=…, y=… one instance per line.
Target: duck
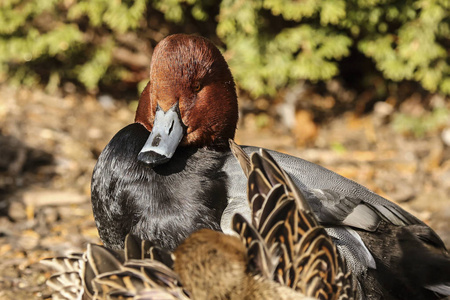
x=284, y=225
x=282, y=253
x=147, y=185
x=140, y=271
x=172, y=172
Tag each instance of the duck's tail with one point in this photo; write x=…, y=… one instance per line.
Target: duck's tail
x=423, y=266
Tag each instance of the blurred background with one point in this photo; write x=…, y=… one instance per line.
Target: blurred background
x=361, y=87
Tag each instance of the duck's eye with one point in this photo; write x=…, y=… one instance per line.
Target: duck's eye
x=197, y=87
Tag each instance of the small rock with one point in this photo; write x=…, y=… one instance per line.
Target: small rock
x=94, y=133
x=51, y=214
x=6, y=226
x=445, y=135
x=17, y=211
x=28, y=241
x=69, y=88
x=106, y=101
x=383, y=109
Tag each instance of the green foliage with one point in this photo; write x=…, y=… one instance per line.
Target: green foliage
x=420, y=126
x=117, y=15
x=338, y=147
x=269, y=44
x=414, y=51
x=92, y=71
x=264, y=60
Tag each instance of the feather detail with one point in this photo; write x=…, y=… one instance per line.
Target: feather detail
x=285, y=231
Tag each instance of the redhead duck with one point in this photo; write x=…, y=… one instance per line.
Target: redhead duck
x=172, y=172
x=165, y=185
x=283, y=253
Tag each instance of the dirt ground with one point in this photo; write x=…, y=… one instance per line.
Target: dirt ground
x=49, y=146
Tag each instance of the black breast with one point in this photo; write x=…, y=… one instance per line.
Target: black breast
x=163, y=204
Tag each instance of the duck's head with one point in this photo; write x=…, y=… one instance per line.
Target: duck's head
x=189, y=101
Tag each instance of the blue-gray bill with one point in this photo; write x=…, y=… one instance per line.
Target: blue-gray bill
x=167, y=133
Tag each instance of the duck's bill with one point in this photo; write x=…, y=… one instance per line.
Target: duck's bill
x=167, y=133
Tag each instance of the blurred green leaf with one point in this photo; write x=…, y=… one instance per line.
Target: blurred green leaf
x=422, y=125
x=91, y=72
x=269, y=44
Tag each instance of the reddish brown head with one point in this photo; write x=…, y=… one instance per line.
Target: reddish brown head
x=191, y=71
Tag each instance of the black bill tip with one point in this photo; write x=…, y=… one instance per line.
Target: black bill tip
x=151, y=158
